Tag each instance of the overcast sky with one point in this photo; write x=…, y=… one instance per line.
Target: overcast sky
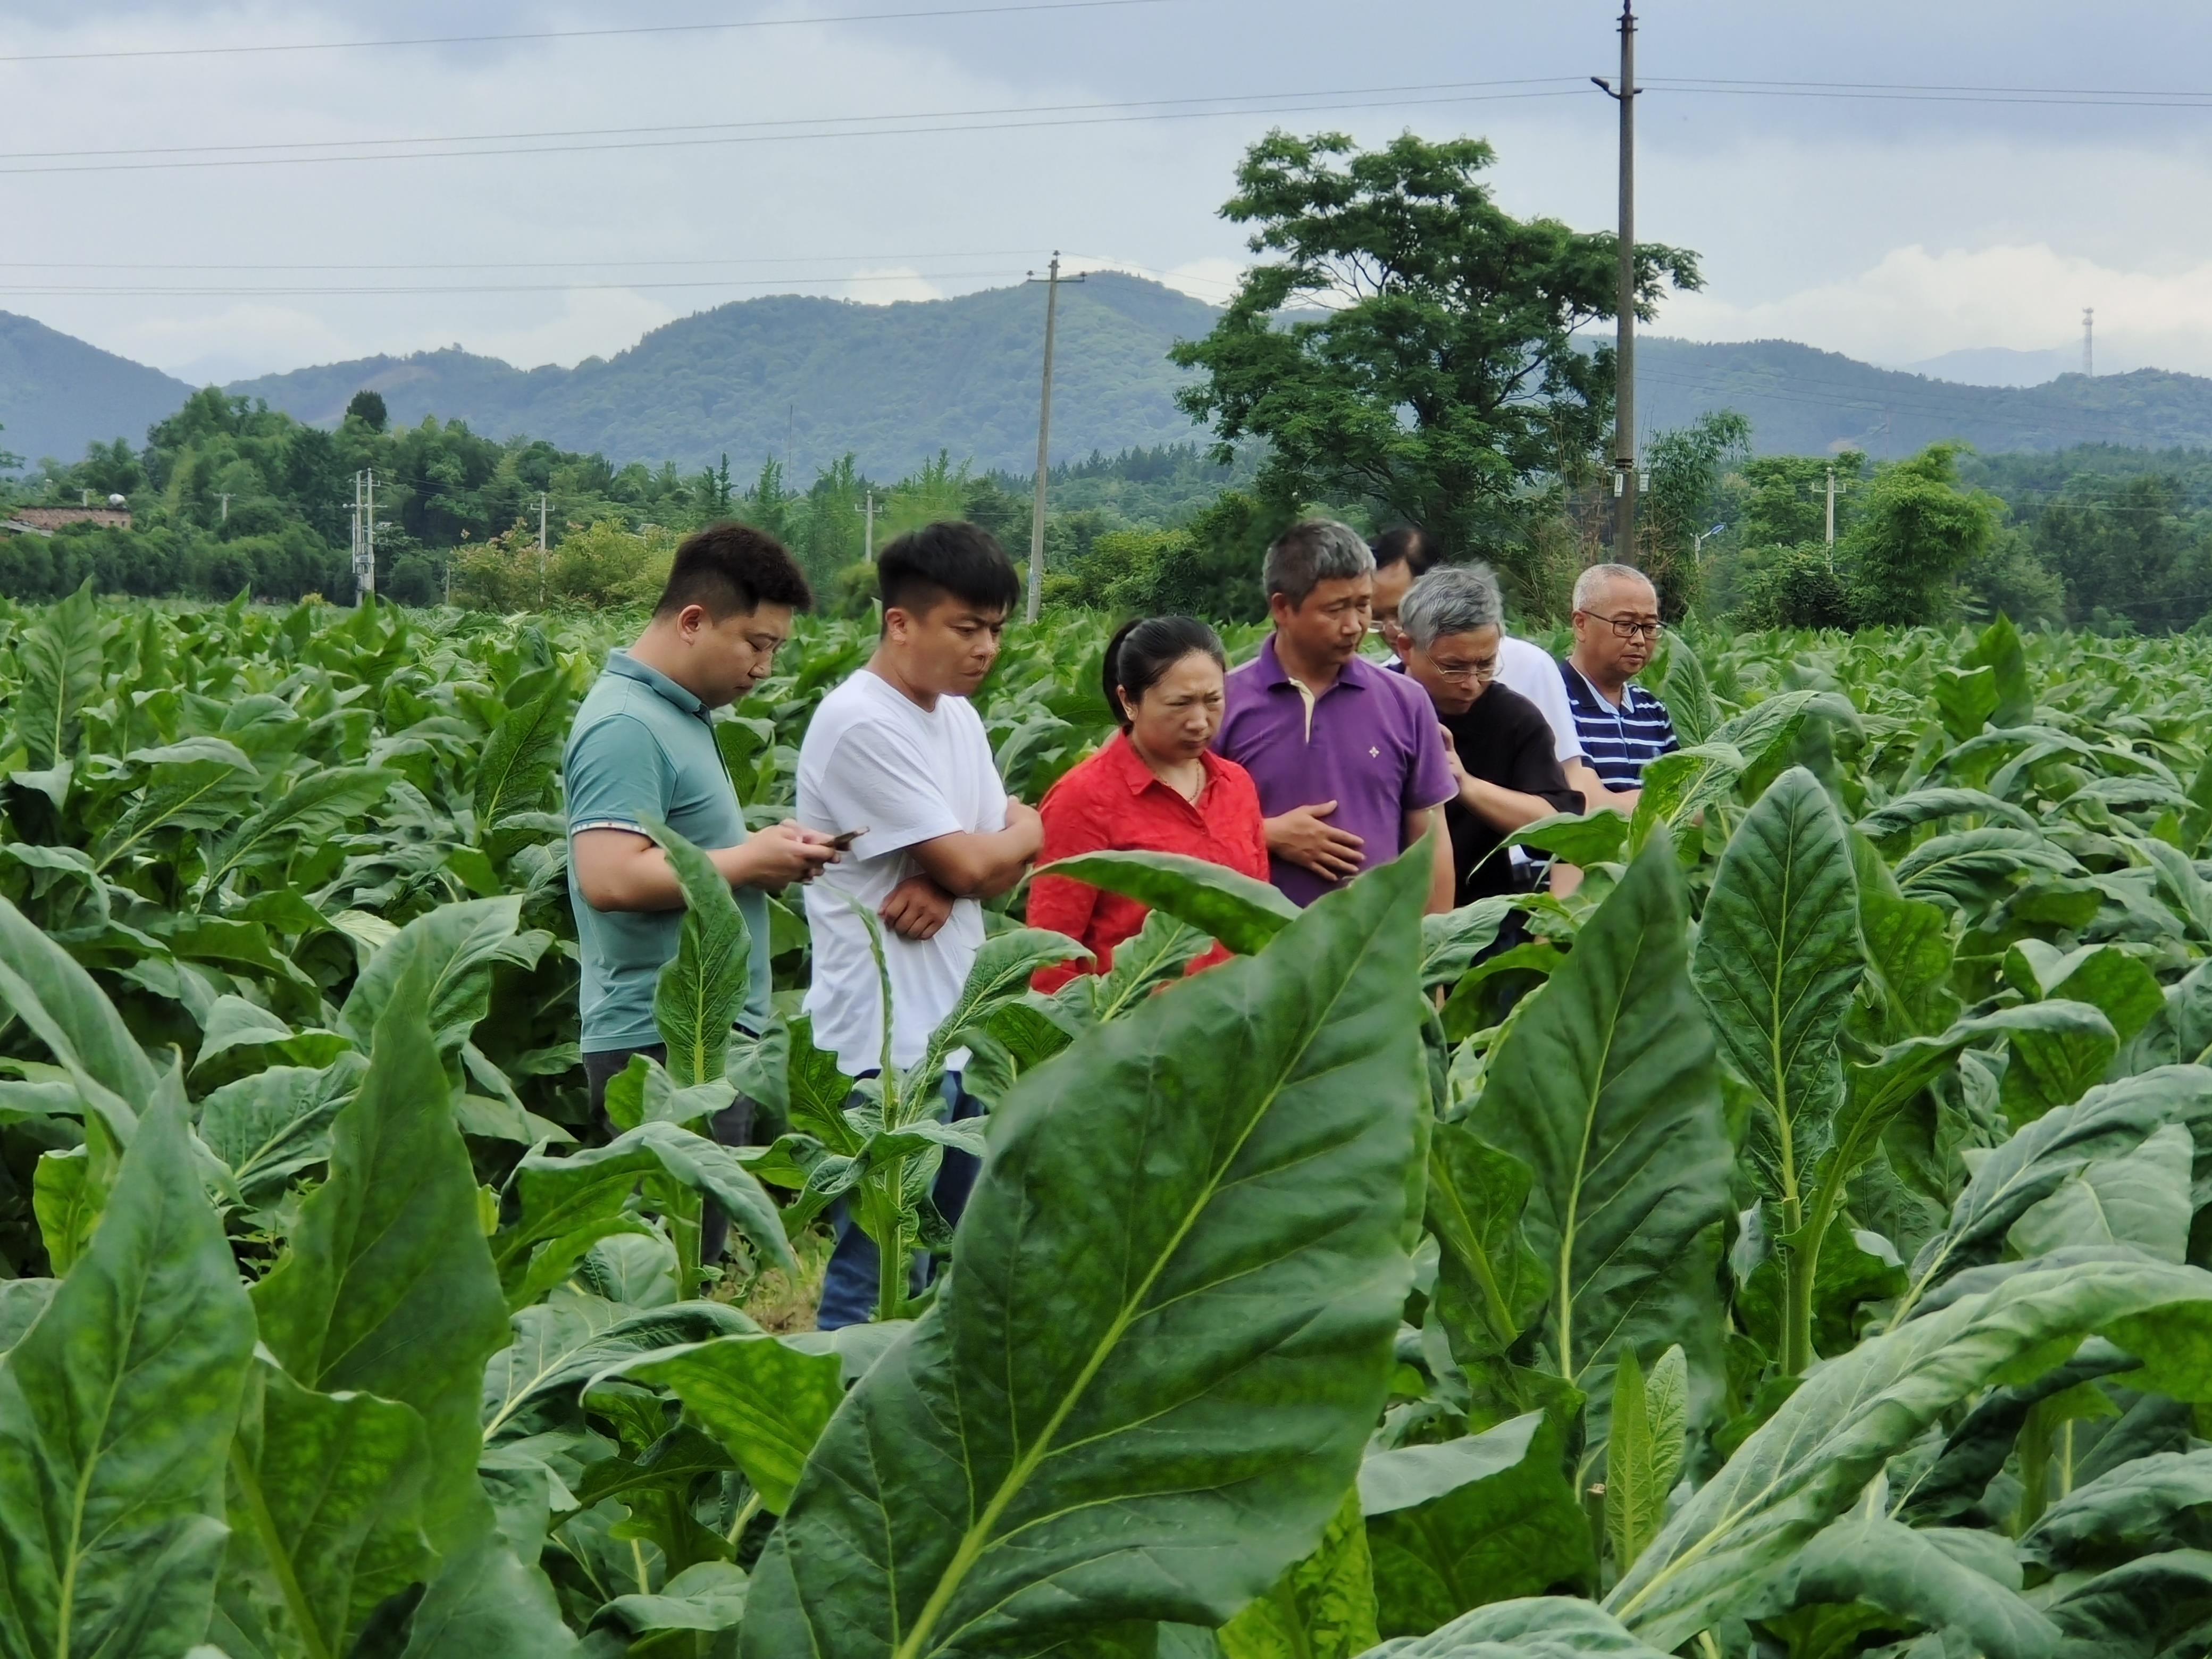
x=1891, y=228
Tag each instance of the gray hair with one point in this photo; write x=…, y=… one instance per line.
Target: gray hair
x=1313, y=551
x=1587, y=584
x=1458, y=598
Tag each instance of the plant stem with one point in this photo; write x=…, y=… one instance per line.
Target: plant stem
x=1293, y=1621
x=1799, y=1259
x=747, y=1510
x=2034, y=1471
x=891, y=1260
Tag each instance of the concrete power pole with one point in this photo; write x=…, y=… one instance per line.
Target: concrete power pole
x=365, y=577
x=224, y=496
x=1623, y=394
x=2088, y=341
x=1831, y=518
x=541, y=550
x=1044, y=440
x=868, y=534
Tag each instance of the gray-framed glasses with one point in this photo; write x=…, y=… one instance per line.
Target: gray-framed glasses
x=1466, y=674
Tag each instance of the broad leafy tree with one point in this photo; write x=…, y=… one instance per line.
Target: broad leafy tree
x=1408, y=341
x=1914, y=536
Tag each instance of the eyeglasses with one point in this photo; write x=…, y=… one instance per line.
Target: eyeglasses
x=1467, y=673
x=1627, y=627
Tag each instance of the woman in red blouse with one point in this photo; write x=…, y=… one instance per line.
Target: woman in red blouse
x=1155, y=787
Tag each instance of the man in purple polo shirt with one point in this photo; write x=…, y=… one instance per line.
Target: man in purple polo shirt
x=1349, y=759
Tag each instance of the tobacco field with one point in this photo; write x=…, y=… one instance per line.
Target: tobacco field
x=1796, y=1248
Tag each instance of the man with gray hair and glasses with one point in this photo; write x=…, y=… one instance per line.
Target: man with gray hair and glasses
x=1349, y=760
x=1624, y=727
x=1499, y=744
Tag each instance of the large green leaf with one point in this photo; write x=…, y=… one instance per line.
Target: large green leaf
x=486, y=1604
x=1534, y=1627
x=1813, y=1457
x=1145, y=1388
x=43, y=986
x=1605, y=1089
x=2148, y=1609
x=202, y=783
x=1777, y=962
x=571, y=1337
x=2114, y=1118
x=2147, y=1503
x=764, y=1402
x=1960, y=1581
x=269, y=1127
x=519, y=758
x=316, y=806
x=1220, y=903
x=1490, y=1283
x=387, y=1286
x=115, y=1411
x=1322, y=1608
x=457, y=946
x=328, y=1489
x=59, y=662
x=1404, y=1476
x=561, y=1196
x=1517, y=1532
x=1908, y=950
x=702, y=988
x=2139, y=1197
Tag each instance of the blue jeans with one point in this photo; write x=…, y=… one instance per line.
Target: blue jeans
x=850, y=1286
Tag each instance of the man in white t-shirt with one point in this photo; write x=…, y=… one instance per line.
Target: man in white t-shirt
x=898, y=755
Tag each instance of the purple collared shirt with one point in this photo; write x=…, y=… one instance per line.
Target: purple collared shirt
x=1371, y=744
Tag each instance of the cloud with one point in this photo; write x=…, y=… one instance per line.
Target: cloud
x=1915, y=303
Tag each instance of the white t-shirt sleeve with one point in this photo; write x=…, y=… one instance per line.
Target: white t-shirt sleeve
x=1529, y=669
x=879, y=780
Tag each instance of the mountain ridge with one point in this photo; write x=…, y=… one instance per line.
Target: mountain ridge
x=812, y=378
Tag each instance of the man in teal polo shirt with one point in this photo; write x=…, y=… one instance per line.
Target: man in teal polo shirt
x=643, y=749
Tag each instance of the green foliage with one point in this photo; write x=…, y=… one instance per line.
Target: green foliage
x=1440, y=306
x=1914, y=534
x=1292, y=1312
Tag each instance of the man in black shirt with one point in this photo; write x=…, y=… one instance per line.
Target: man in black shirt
x=1499, y=745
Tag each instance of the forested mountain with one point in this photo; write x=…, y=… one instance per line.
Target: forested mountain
x=57, y=394
x=892, y=384
x=895, y=385
x=1800, y=401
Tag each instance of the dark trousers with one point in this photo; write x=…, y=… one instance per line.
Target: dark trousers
x=850, y=1286
x=732, y=1125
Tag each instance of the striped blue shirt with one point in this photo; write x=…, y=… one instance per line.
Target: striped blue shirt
x=1620, y=742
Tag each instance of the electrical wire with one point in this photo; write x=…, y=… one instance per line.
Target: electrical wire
x=275, y=291
x=1337, y=102
x=1562, y=81
x=571, y=34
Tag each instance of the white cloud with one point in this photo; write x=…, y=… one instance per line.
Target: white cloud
x=1915, y=303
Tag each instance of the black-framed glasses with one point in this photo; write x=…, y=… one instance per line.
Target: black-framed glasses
x=1628, y=628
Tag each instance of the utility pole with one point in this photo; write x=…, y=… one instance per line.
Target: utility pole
x=1831, y=518
x=224, y=496
x=364, y=567
x=2088, y=341
x=541, y=550
x=1044, y=440
x=1623, y=369
x=868, y=541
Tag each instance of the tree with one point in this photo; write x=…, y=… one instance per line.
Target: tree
x=1914, y=534
x=1684, y=501
x=367, y=408
x=1784, y=501
x=1445, y=375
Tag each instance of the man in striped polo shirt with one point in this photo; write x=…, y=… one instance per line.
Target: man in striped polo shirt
x=1624, y=727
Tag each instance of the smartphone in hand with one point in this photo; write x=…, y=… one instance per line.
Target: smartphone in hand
x=844, y=841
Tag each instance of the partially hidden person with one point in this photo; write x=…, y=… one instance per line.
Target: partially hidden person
x=1499, y=745
x=642, y=752
x=1155, y=786
x=1347, y=758
x=897, y=758
x=1624, y=727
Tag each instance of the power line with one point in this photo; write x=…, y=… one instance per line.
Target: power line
x=850, y=131
x=1905, y=93
x=571, y=34
x=753, y=126
x=516, y=264
x=276, y=290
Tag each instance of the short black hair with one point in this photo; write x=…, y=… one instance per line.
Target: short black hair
x=729, y=568
x=951, y=557
x=1412, y=543
x=1146, y=648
